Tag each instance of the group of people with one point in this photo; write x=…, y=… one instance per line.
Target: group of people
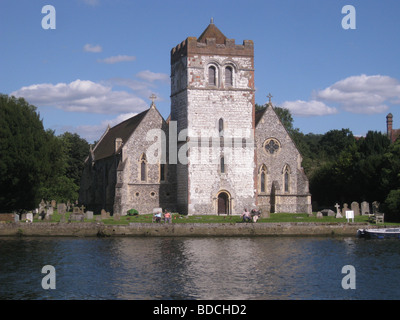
x=167, y=217
x=252, y=216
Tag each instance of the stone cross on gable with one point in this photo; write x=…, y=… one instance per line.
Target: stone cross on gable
x=153, y=97
x=269, y=96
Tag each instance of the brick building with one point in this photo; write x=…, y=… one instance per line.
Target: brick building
x=214, y=155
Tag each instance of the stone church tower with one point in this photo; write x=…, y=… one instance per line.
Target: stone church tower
x=219, y=156
x=212, y=102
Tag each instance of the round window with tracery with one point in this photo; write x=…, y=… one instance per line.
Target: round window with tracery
x=272, y=146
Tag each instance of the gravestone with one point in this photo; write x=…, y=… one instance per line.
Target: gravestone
x=103, y=214
x=77, y=217
x=53, y=204
x=42, y=207
x=339, y=215
x=319, y=215
x=89, y=214
x=337, y=208
x=345, y=208
x=76, y=210
x=16, y=217
x=61, y=208
x=49, y=210
x=356, y=208
x=365, y=208
x=116, y=217
x=23, y=217
x=29, y=217
x=328, y=212
x=375, y=207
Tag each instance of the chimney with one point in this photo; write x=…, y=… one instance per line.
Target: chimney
x=389, y=124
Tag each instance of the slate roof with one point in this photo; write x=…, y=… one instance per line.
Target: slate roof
x=106, y=146
x=212, y=32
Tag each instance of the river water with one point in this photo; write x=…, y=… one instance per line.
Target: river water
x=247, y=268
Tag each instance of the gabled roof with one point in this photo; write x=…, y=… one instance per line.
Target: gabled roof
x=212, y=32
x=106, y=146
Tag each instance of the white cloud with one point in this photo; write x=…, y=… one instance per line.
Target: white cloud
x=91, y=48
x=362, y=94
x=81, y=96
x=153, y=76
x=308, y=108
x=94, y=132
x=117, y=59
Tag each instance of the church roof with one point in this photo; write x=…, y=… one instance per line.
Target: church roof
x=212, y=32
x=106, y=146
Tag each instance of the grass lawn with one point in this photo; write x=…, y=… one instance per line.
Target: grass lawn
x=177, y=218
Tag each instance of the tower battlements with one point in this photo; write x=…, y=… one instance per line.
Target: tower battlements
x=212, y=42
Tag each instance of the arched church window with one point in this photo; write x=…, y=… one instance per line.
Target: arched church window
x=286, y=178
x=212, y=76
x=143, y=167
x=228, y=76
x=221, y=127
x=263, y=178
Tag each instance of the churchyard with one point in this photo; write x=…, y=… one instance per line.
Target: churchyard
x=67, y=213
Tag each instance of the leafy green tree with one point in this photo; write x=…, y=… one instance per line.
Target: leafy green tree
x=76, y=149
x=23, y=158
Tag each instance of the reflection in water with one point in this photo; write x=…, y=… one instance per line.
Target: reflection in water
x=199, y=268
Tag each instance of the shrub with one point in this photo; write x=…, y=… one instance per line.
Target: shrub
x=132, y=212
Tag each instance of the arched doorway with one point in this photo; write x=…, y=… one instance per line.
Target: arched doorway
x=223, y=203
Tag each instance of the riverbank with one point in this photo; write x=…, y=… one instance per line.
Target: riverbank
x=99, y=229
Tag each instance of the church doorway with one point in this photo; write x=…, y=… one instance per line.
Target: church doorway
x=223, y=203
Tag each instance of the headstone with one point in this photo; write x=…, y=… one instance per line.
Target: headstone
x=375, y=207
x=328, y=212
x=319, y=215
x=77, y=217
x=23, y=217
x=345, y=208
x=76, y=210
x=53, y=203
x=337, y=206
x=116, y=217
x=356, y=208
x=42, y=207
x=365, y=208
x=339, y=215
x=49, y=211
x=29, y=217
x=61, y=208
x=89, y=215
x=16, y=217
x=103, y=214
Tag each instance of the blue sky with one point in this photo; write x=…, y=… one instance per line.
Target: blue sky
x=106, y=57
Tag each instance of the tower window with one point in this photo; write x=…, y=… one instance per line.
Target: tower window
x=221, y=127
x=228, y=76
x=162, y=172
x=212, y=73
x=222, y=165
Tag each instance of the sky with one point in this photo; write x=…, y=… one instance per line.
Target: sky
x=87, y=64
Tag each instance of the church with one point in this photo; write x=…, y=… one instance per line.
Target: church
x=213, y=155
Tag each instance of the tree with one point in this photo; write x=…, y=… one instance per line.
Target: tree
x=76, y=149
x=23, y=157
